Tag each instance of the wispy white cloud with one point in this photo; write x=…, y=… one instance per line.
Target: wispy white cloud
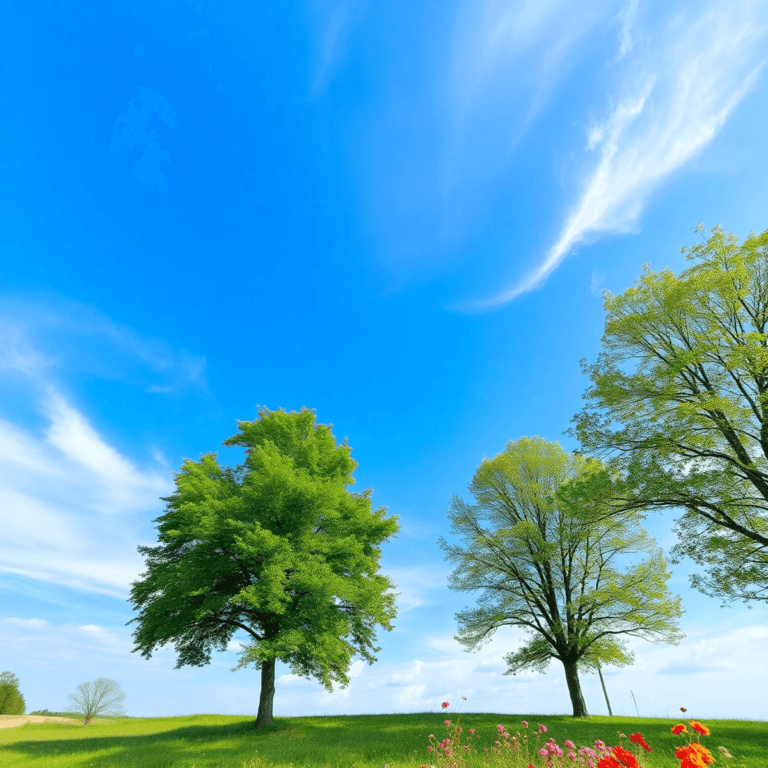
x=676, y=98
x=628, y=17
x=37, y=336
x=597, y=280
x=336, y=26
x=73, y=505
x=61, y=495
x=45, y=644
x=74, y=437
x=450, y=136
x=520, y=47
x=417, y=585
x=40, y=624
x=500, y=34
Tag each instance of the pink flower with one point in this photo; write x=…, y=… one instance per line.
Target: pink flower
x=571, y=756
x=429, y=748
x=568, y=743
x=500, y=728
x=445, y=704
x=525, y=724
x=447, y=722
x=544, y=752
x=549, y=764
x=471, y=730
x=542, y=728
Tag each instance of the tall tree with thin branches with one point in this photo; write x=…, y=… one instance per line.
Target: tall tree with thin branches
x=552, y=572
x=693, y=415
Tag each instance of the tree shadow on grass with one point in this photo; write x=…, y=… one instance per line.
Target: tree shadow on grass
x=187, y=745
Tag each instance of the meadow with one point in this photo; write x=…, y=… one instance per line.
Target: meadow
x=353, y=741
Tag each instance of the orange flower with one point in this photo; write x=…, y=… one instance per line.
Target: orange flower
x=687, y=763
x=694, y=756
x=678, y=729
x=689, y=760
x=697, y=726
x=705, y=754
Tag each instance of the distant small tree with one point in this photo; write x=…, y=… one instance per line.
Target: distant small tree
x=94, y=698
x=11, y=700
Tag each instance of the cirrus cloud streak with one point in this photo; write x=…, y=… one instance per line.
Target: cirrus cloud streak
x=675, y=99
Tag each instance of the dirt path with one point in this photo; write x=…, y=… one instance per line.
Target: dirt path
x=13, y=721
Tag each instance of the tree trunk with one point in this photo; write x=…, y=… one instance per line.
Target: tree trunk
x=574, y=689
x=264, y=718
x=605, y=693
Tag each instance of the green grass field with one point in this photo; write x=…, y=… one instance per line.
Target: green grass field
x=363, y=741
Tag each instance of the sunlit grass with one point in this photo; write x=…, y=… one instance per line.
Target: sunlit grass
x=344, y=741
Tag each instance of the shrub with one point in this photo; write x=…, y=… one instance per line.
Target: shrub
x=11, y=700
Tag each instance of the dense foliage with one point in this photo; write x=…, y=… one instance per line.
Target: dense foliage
x=11, y=700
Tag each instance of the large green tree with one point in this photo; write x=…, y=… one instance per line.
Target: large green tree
x=277, y=548
x=694, y=412
x=552, y=572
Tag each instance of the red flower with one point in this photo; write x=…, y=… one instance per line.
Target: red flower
x=620, y=759
x=445, y=704
x=625, y=757
x=683, y=709
x=678, y=729
x=636, y=738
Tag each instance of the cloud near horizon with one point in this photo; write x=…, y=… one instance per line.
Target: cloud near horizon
x=676, y=97
x=417, y=684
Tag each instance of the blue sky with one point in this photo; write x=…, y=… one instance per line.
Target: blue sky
x=399, y=217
